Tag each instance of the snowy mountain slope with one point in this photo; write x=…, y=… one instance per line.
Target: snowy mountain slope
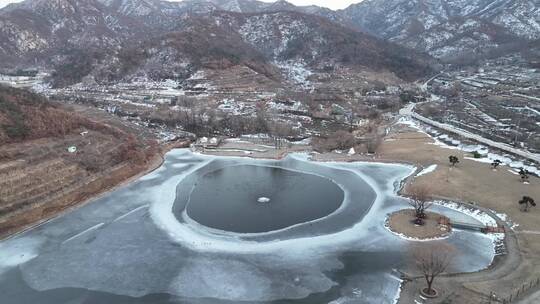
x=265, y=43
x=459, y=37
x=425, y=25
x=446, y=28
x=283, y=36
x=113, y=39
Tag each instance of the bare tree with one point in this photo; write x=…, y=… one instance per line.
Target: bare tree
x=526, y=202
x=279, y=132
x=261, y=119
x=350, y=117
x=524, y=174
x=373, y=142
x=453, y=160
x=432, y=259
x=419, y=200
x=496, y=163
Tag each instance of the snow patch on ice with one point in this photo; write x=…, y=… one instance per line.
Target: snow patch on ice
x=263, y=200
x=15, y=252
x=478, y=215
x=239, y=281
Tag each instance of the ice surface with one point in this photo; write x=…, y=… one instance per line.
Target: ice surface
x=17, y=251
x=247, y=281
x=129, y=243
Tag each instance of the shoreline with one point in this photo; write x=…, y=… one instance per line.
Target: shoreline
x=400, y=223
x=500, y=266
x=152, y=165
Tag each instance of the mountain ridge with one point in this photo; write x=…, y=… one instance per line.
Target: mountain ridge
x=102, y=38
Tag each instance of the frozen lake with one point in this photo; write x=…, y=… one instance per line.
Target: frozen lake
x=228, y=199
x=194, y=231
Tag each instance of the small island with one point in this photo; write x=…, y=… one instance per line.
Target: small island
x=434, y=226
x=418, y=223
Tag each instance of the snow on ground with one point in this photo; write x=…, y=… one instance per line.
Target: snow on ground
x=447, y=142
x=479, y=215
x=506, y=160
x=427, y=170
x=297, y=72
x=504, y=217
x=408, y=122
x=280, y=106
x=199, y=75
x=305, y=141
x=229, y=105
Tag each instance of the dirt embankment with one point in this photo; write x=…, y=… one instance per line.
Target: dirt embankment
x=53, y=156
x=62, y=191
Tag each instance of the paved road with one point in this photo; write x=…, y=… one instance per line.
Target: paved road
x=409, y=111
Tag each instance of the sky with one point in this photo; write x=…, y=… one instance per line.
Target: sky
x=333, y=4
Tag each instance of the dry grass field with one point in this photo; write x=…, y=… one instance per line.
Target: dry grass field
x=476, y=182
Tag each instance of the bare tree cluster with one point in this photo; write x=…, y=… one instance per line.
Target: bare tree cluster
x=209, y=123
x=339, y=140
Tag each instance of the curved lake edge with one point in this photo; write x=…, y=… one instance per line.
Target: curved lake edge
x=498, y=261
x=399, y=184
x=339, y=208
x=395, y=185
x=314, y=168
